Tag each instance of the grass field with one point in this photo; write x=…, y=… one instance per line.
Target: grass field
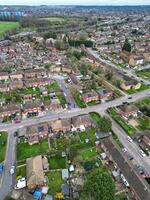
x=3, y=143
x=6, y=26
x=55, y=19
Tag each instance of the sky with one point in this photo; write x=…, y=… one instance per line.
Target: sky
x=74, y=2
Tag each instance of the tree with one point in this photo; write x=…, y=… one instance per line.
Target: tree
x=126, y=46
x=104, y=124
x=100, y=185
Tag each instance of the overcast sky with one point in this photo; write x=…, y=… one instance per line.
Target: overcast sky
x=74, y=2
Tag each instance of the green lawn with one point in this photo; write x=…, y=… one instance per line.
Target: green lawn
x=95, y=116
x=128, y=128
x=57, y=162
x=55, y=19
x=3, y=145
x=7, y=26
x=24, y=150
x=78, y=100
x=145, y=73
x=21, y=171
x=142, y=88
x=88, y=153
x=144, y=123
x=54, y=87
x=54, y=182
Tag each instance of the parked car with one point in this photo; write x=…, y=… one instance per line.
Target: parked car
x=20, y=184
x=129, y=139
x=12, y=170
x=1, y=168
x=142, y=153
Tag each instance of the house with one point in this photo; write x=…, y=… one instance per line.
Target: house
x=4, y=87
x=136, y=185
x=16, y=85
x=36, y=132
x=31, y=108
x=60, y=125
x=27, y=98
x=4, y=76
x=104, y=93
x=16, y=75
x=35, y=173
x=8, y=111
x=52, y=106
x=90, y=96
x=82, y=120
x=35, y=73
x=128, y=110
x=130, y=84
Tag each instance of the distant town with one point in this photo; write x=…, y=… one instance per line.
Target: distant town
x=74, y=102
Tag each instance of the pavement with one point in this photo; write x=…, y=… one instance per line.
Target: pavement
x=7, y=180
x=69, y=98
x=129, y=72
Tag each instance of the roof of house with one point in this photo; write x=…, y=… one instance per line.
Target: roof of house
x=81, y=120
x=126, y=170
x=104, y=92
x=129, y=108
x=35, y=174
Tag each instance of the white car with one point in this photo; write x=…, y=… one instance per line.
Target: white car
x=142, y=153
x=12, y=170
x=124, y=150
x=129, y=139
x=20, y=184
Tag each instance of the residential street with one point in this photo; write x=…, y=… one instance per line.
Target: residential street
x=133, y=149
x=7, y=180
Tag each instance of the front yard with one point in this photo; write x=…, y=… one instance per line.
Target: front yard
x=130, y=130
x=142, y=88
x=3, y=145
x=78, y=100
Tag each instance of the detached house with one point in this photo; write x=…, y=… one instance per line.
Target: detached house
x=83, y=120
x=62, y=125
x=35, y=172
x=129, y=110
x=129, y=84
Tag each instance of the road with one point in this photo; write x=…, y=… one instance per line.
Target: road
x=132, y=148
x=7, y=180
x=69, y=98
x=128, y=72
